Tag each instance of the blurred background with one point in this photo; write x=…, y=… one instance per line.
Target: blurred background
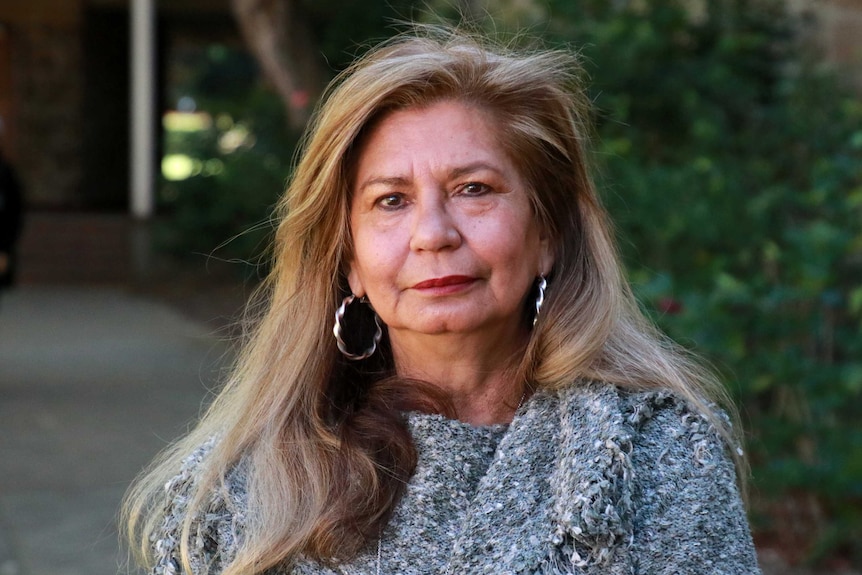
x=150, y=140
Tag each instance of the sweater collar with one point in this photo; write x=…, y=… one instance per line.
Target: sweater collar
x=560, y=480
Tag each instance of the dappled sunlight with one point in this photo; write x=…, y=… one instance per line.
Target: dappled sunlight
x=176, y=121
x=177, y=167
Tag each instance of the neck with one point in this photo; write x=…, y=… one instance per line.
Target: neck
x=480, y=377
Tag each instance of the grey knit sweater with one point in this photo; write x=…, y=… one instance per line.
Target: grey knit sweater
x=590, y=480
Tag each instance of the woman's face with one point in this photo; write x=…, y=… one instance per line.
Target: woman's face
x=445, y=239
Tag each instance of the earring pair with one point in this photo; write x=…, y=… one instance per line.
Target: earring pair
x=338, y=328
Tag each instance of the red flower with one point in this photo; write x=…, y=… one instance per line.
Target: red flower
x=669, y=305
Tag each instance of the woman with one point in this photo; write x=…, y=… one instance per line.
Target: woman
x=492, y=401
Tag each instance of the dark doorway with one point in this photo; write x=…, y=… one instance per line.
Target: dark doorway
x=105, y=152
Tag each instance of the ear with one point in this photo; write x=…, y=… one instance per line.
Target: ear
x=547, y=257
x=355, y=282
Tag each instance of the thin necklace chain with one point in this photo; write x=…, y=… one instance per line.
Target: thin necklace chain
x=379, y=551
x=523, y=397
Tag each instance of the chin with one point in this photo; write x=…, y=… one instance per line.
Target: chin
x=436, y=325
x=441, y=326
x=438, y=328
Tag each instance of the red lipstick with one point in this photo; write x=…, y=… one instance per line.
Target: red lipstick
x=452, y=282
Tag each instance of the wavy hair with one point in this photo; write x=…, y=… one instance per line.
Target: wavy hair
x=325, y=448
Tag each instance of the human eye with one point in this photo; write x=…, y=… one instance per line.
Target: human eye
x=391, y=201
x=474, y=189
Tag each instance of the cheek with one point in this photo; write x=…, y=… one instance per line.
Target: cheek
x=374, y=262
x=362, y=259
x=516, y=244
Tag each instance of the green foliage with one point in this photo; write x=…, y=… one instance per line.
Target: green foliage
x=226, y=157
x=344, y=29
x=734, y=174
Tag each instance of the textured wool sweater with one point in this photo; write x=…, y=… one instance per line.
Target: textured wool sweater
x=587, y=481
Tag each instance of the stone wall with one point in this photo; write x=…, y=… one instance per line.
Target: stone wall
x=46, y=68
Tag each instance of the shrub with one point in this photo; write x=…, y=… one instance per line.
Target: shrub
x=226, y=161
x=734, y=173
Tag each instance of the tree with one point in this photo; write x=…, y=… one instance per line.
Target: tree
x=279, y=35
x=289, y=39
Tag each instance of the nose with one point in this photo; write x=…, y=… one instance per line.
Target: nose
x=433, y=227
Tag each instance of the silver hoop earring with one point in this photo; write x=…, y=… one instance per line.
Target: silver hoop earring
x=337, y=330
x=540, y=297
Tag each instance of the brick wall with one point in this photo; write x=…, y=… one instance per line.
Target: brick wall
x=75, y=248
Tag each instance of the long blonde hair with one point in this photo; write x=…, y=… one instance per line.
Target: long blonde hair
x=324, y=445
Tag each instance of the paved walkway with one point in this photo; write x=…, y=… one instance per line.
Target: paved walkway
x=93, y=383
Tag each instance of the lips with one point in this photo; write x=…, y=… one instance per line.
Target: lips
x=444, y=282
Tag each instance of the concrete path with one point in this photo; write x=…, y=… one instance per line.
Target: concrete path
x=93, y=383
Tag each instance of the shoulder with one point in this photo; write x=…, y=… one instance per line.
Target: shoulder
x=215, y=516
x=655, y=438
x=651, y=419
x=645, y=477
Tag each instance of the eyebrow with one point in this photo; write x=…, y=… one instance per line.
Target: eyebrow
x=386, y=181
x=454, y=173
x=474, y=167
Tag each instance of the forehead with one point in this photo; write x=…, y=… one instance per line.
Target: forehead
x=446, y=133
